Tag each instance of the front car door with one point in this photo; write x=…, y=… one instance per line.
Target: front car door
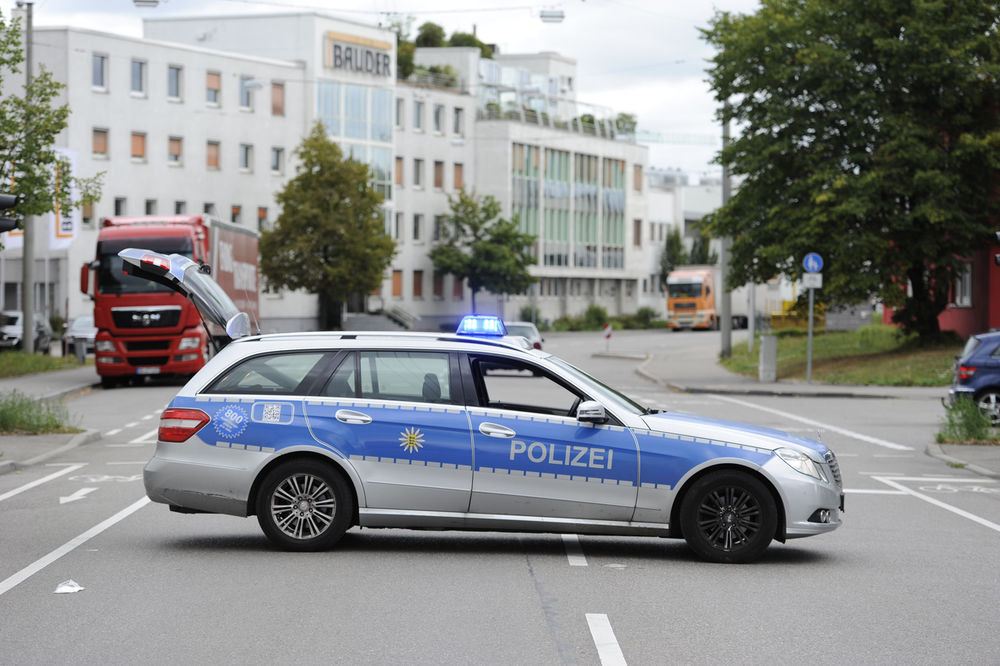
x=533, y=457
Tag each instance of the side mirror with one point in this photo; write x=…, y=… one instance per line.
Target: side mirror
x=591, y=411
x=85, y=278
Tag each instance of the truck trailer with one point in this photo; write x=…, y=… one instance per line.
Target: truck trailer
x=144, y=328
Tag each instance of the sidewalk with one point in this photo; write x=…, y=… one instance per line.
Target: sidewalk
x=19, y=451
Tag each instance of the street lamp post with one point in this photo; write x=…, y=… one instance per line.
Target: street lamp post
x=28, y=248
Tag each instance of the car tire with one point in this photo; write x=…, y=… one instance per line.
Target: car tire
x=989, y=404
x=728, y=517
x=304, y=505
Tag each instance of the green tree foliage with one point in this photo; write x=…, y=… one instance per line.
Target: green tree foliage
x=672, y=255
x=329, y=238
x=487, y=251
x=700, y=253
x=430, y=34
x=29, y=124
x=468, y=39
x=868, y=132
x=626, y=123
x=404, y=47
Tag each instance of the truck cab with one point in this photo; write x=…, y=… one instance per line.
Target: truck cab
x=691, y=299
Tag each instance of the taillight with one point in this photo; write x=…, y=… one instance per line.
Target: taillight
x=538, y=345
x=177, y=425
x=966, y=371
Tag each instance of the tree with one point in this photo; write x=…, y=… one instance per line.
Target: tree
x=626, y=123
x=330, y=236
x=487, y=251
x=404, y=47
x=30, y=166
x=672, y=255
x=700, y=253
x=430, y=34
x=869, y=132
x=468, y=39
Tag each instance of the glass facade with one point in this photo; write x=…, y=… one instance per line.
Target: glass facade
x=362, y=113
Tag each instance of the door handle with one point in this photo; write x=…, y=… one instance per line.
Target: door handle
x=350, y=416
x=494, y=430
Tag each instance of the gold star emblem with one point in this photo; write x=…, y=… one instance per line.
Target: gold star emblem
x=411, y=440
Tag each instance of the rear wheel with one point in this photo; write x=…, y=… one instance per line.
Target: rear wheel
x=304, y=505
x=728, y=517
x=989, y=404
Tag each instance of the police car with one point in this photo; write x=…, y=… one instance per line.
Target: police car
x=314, y=433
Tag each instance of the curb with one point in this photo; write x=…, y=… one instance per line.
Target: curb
x=71, y=392
x=935, y=451
x=85, y=437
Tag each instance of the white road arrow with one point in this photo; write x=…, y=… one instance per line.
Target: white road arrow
x=78, y=495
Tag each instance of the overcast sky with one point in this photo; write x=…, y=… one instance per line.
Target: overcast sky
x=638, y=56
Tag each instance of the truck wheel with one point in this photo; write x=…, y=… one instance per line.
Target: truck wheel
x=728, y=517
x=109, y=382
x=304, y=505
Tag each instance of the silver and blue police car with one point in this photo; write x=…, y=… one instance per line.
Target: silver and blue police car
x=314, y=433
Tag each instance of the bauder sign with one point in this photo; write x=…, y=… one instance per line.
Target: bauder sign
x=357, y=54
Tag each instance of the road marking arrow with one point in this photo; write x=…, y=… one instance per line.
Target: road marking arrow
x=78, y=495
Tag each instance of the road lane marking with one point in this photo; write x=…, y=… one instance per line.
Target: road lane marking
x=145, y=439
x=832, y=428
x=44, y=479
x=127, y=462
x=574, y=553
x=78, y=495
x=608, y=650
x=873, y=491
x=947, y=507
x=112, y=433
x=934, y=479
x=69, y=546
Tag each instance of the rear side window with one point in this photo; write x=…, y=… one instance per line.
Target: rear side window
x=271, y=374
x=412, y=376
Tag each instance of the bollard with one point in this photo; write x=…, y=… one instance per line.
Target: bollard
x=80, y=347
x=767, y=368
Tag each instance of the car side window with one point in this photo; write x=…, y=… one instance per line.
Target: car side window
x=504, y=383
x=411, y=376
x=269, y=374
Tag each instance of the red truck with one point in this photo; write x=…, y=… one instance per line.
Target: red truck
x=144, y=328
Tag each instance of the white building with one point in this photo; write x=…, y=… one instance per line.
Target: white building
x=204, y=114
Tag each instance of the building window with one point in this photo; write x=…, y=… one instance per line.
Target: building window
x=174, y=82
x=328, y=107
x=637, y=177
x=277, y=98
x=261, y=218
x=246, y=157
x=100, y=142
x=457, y=292
x=418, y=284
x=398, y=231
x=180, y=207
x=458, y=121
x=381, y=115
x=399, y=170
x=438, y=175
x=438, y=227
x=637, y=233
x=458, y=176
x=400, y=106
x=235, y=213
x=438, y=284
x=150, y=207
x=213, y=88
x=119, y=205
x=208, y=208
x=355, y=112
x=175, y=146
x=418, y=222
x=212, y=154
x=87, y=213
x=418, y=173
x=138, y=146
x=99, y=71
x=138, y=77
x=397, y=283
x=418, y=116
x=962, y=288
x=438, y=119
x=277, y=160
x=246, y=94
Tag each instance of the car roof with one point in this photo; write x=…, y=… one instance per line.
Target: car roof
x=388, y=340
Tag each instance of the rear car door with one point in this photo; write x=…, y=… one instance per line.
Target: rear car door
x=398, y=416
x=534, y=458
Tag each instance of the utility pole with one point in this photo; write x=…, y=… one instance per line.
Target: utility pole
x=28, y=249
x=725, y=300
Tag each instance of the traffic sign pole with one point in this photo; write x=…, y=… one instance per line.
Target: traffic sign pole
x=813, y=263
x=809, y=346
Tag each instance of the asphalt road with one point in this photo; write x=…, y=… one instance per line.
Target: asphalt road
x=910, y=578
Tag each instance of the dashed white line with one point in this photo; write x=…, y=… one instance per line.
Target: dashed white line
x=574, y=553
x=112, y=433
x=44, y=479
x=608, y=650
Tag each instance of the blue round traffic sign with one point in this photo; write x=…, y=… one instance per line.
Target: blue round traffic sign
x=813, y=263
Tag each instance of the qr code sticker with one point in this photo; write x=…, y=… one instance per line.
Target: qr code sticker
x=271, y=414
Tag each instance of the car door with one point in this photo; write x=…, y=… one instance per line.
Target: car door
x=534, y=458
x=398, y=416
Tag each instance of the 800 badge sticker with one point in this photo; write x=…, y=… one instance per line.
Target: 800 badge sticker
x=230, y=421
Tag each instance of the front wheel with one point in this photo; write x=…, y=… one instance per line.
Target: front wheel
x=304, y=505
x=729, y=517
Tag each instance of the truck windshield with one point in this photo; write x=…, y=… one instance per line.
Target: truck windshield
x=684, y=289
x=111, y=279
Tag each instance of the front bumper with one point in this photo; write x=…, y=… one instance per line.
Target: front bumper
x=807, y=499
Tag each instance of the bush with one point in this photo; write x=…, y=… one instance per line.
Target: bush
x=595, y=317
x=965, y=422
x=21, y=414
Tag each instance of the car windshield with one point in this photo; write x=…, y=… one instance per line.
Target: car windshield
x=515, y=329
x=82, y=323
x=111, y=279
x=593, y=385
x=684, y=289
x=7, y=319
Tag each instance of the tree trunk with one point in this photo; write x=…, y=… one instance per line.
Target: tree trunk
x=474, y=300
x=330, y=313
x=919, y=313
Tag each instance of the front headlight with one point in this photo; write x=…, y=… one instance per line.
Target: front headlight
x=105, y=346
x=800, y=462
x=189, y=343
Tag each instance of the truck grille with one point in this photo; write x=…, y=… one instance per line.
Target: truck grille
x=148, y=360
x=153, y=317
x=147, y=345
x=831, y=460
x=684, y=306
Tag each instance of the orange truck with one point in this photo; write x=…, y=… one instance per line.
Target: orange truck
x=691, y=292
x=144, y=328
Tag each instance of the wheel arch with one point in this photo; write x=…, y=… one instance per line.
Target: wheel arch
x=332, y=463
x=686, y=484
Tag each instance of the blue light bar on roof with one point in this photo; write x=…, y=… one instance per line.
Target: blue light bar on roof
x=482, y=325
